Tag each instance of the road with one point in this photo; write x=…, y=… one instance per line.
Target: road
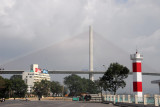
x=17, y=103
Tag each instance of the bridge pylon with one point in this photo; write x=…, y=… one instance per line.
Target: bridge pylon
x=91, y=77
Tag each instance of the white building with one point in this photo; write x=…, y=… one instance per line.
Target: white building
x=31, y=77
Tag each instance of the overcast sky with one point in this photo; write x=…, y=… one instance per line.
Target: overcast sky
x=54, y=34
x=30, y=25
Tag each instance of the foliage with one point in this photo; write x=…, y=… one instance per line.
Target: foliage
x=78, y=85
x=73, y=82
x=15, y=87
x=16, y=77
x=114, y=77
x=2, y=86
x=7, y=88
x=55, y=87
x=100, y=84
x=42, y=88
x=18, y=86
x=89, y=86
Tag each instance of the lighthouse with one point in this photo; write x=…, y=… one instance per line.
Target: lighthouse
x=137, y=74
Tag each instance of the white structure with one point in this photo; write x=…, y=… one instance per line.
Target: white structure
x=137, y=75
x=31, y=77
x=91, y=53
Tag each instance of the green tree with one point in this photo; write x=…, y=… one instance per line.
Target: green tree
x=100, y=84
x=78, y=85
x=114, y=77
x=55, y=87
x=73, y=82
x=2, y=83
x=89, y=86
x=5, y=87
x=7, y=91
x=18, y=86
x=41, y=88
x=2, y=86
x=16, y=77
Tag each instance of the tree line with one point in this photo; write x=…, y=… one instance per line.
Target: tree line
x=15, y=87
x=78, y=85
x=46, y=88
x=111, y=81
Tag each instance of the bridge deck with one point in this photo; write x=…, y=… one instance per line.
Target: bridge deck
x=70, y=72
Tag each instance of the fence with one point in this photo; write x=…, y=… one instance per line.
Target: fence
x=129, y=99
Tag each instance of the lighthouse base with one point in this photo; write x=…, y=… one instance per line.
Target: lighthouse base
x=139, y=96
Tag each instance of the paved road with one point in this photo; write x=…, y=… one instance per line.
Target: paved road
x=52, y=104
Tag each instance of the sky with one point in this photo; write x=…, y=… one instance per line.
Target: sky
x=54, y=33
x=27, y=25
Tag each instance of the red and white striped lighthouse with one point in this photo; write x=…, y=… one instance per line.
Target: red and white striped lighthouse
x=137, y=74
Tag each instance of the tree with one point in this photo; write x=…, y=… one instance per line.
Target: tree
x=5, y=87
x=41, y=88
x=100, y=84
x=2, y=86
x=78, y=85
x=114, y=77
x=18, y=86
x=55, y=87
x=91, y=86
x=73, y=82
x=16, y=77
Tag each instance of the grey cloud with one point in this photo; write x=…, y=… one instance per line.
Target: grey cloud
x=26, y=26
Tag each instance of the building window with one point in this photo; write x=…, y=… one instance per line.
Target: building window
x=30, y=76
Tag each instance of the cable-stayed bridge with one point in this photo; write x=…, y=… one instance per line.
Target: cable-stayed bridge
x=72, y=56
